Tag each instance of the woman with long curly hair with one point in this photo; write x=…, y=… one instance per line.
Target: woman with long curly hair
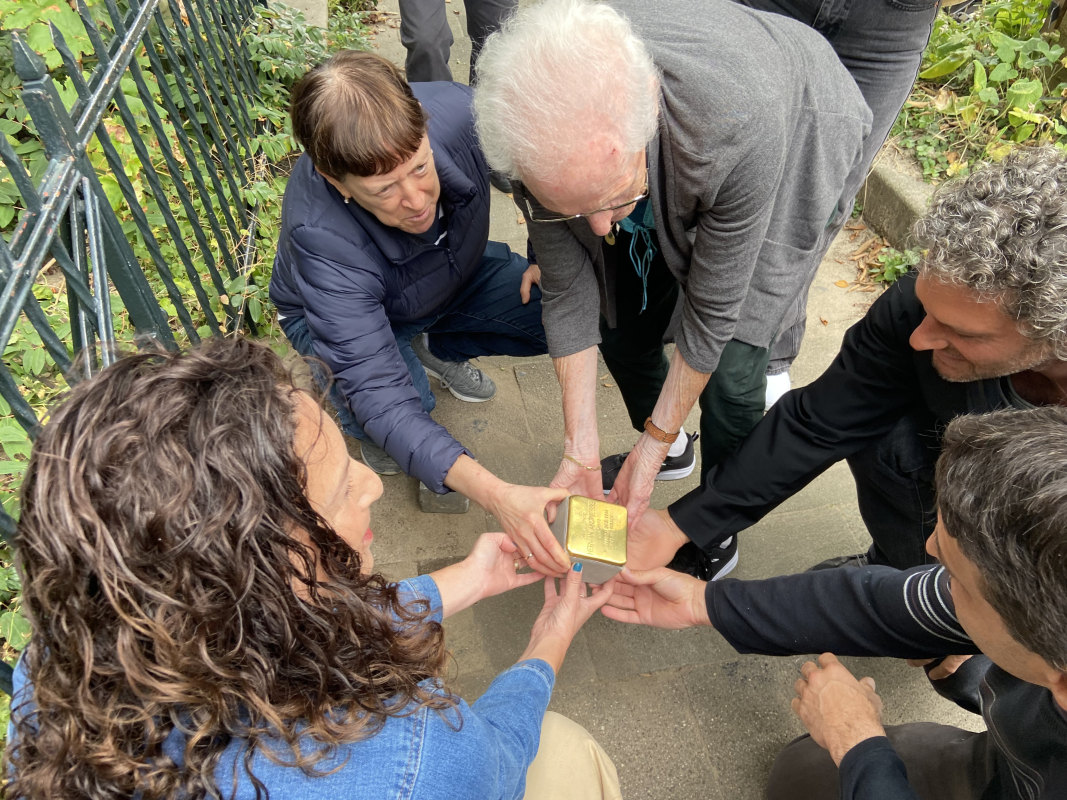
x=195, y=556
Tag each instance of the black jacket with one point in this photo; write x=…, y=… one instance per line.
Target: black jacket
x=880, y=611
x=876, y=379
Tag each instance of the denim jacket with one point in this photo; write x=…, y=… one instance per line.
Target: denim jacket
x=478, y=751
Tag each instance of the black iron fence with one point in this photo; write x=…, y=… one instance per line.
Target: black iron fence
x=128, y=202
x=141, y=216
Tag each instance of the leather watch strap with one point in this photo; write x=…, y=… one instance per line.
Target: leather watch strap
x=657, y=433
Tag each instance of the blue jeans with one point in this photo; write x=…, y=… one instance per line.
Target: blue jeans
x=486, y=318
x=880, y=43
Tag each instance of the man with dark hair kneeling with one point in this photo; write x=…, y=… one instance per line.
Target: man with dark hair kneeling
x=1001, y=589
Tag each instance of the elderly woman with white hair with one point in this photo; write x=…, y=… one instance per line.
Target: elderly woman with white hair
x=674, y=159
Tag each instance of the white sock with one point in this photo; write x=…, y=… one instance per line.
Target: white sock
x=678, y=446
x=777, y=385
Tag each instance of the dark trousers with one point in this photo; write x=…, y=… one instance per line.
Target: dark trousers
x=880, y=43
x=732, y=402
x=426, y=36
x=487, y=318
x=943, y=763
x=895, y=490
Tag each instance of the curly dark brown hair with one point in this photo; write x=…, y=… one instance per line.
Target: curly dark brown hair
x=158, y=572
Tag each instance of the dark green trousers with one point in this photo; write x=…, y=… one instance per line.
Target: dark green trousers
x=732, y=402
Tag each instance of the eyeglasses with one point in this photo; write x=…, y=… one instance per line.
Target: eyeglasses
x=543, y=215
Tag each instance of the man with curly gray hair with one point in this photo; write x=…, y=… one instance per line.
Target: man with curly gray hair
x=981, y=325
x=1002, y=234
x=677, y=156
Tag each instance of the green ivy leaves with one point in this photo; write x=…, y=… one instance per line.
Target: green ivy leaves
x=988, y=81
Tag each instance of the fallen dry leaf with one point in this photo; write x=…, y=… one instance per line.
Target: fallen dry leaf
x=841, y=284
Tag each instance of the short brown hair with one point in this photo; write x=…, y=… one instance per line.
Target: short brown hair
x=1002, y=493
x=354, y=114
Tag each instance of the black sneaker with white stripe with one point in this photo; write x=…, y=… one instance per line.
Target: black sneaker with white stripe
x=707, y=565
x=673, y=468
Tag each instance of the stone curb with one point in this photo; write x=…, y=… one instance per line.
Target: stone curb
x=894, y=197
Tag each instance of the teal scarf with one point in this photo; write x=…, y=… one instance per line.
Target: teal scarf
x=640, y=224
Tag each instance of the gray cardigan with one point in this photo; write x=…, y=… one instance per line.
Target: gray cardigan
x=759, y=145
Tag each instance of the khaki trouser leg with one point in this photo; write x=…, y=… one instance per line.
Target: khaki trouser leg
x=570, y=764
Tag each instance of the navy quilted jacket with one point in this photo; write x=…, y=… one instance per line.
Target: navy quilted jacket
x=350, y=276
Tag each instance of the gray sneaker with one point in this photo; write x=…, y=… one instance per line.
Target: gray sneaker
x=459, y=377
x=377, y=459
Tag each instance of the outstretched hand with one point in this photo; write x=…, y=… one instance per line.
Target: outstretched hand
x=521, y=511
x=652, y=540
x=565, y=611
x=838, y=710
x=637, y=477
x=494, y=563
x=576, y=479
x=659, y=597
x=491, y=567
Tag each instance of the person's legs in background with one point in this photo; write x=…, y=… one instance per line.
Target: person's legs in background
x=894, y=489
x=732, y=403
x=880, y=43
x=428, y=39
x=488, y=317
x=425, y=34
x=483, y=18
x=633, y=349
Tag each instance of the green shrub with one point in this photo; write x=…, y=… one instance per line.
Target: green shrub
x=892, y=264
x=988, y=82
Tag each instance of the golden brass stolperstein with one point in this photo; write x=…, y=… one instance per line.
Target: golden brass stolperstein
x=593, y=532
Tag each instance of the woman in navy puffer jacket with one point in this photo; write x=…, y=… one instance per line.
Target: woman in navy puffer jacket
x=384, y=237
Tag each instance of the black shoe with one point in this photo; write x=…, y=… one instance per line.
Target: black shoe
x=708, y=566
x=673, y=467
x=857, y=560
x=500, y=181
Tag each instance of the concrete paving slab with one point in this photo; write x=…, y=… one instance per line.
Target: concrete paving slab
x=649, y=727
x=744, y=717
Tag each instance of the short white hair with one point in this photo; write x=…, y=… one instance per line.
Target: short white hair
x=558, y=76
